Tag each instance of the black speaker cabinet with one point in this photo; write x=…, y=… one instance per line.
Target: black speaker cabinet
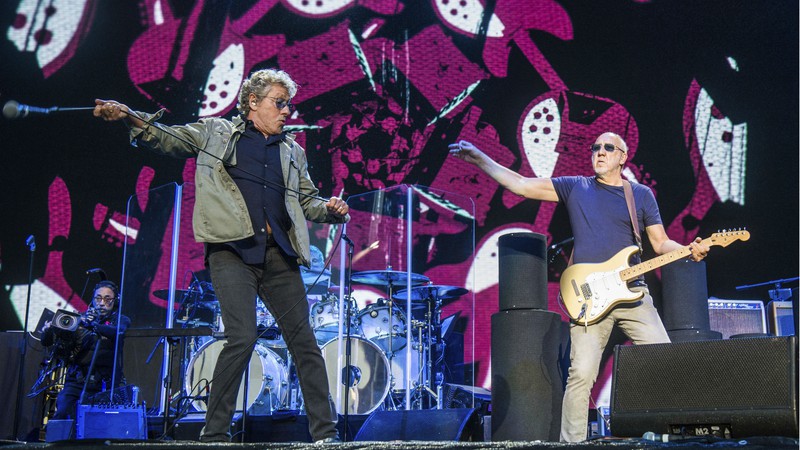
x=522, y=282
x=732, y=388
x=526, y=380
x=460, y=424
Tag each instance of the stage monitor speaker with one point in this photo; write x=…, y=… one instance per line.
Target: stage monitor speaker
x=726, y=388
x=111, y=422
x=781, y=318
x=522, y=277
x=460, y=424
x=685, y=295
x=735, y=317
x=527, y=388
x=59, y=430
x=464, y=396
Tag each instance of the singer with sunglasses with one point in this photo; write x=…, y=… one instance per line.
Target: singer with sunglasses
x=98, y=327
x=602, y=226
x=253, y=197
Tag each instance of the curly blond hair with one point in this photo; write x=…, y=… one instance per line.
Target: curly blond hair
x=259, y=84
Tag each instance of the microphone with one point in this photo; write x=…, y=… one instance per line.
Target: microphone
x=650, y=436
x=31, y=243
x=98, y=271
x=15, y=110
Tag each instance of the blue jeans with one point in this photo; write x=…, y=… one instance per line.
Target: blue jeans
x=279, y=284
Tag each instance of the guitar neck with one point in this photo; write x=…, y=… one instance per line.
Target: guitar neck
x=652, y=264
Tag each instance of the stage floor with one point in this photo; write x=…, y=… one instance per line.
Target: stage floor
x=757, y=443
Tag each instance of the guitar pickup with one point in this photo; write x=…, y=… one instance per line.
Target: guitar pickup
x=575, y=288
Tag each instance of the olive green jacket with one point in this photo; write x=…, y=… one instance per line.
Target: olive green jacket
x=220, y=213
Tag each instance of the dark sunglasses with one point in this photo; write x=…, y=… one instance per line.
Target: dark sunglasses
x=607, y=147
x=280, y=104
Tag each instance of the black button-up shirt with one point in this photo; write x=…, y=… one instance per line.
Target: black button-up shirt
x=259, y=176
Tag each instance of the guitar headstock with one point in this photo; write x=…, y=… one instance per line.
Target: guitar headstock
x=726, y=237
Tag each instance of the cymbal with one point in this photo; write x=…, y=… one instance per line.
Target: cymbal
x=193, y=294
x=421, y=294
x=388, y=278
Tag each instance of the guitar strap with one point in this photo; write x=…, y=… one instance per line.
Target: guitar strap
x=626, y=187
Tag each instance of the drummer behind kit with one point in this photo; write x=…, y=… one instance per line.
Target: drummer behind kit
x=378, y=359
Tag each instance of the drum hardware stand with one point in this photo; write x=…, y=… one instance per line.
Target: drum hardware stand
x=424, y=362
x=437, y=339
x=390, y=352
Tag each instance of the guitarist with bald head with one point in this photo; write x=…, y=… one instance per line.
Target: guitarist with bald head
x=605, y=236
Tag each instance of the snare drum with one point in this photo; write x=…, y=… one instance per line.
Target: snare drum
x=373, y=323
x=268, y=378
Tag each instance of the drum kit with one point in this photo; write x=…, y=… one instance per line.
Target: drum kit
x=379, y=347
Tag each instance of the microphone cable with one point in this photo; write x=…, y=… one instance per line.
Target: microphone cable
x=304, y=298
x=248, y=348
x=170, y=132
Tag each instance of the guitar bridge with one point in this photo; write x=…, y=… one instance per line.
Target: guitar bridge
x=586, y=291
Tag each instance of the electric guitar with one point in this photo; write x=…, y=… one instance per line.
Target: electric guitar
x=590, y=291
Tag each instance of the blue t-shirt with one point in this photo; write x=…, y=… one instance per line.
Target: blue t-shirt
x=599, y=216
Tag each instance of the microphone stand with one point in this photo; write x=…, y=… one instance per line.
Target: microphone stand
x=347, y=349
x=31, y=243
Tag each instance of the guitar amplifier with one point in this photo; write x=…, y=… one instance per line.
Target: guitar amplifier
x=734, y=317
x=781, y=318
x=111, y=422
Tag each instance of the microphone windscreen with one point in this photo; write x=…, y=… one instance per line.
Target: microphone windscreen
x=11, y=109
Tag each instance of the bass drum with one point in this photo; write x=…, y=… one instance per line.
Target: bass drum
x=268, y=378
x=370, y=380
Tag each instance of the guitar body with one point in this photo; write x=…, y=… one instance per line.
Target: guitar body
x=590, y=291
